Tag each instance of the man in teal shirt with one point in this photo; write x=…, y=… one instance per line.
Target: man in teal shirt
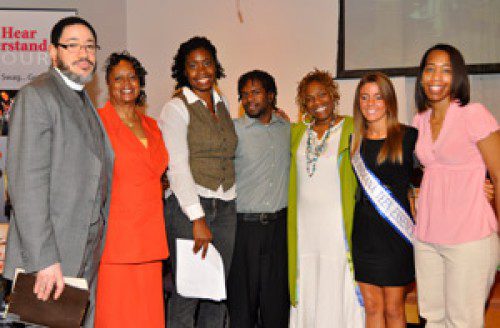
x=258, y=278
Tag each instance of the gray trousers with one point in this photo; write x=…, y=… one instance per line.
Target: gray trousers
x=90, y=266
x=221, y=219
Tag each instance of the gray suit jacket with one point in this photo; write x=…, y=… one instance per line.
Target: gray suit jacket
x=53, y=176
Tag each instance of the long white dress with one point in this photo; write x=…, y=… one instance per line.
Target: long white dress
x=326, y=293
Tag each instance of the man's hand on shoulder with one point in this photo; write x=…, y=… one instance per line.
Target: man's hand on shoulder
x=281, y=113
x=46, y=279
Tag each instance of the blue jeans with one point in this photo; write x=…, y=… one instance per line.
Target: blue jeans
x=221, y=219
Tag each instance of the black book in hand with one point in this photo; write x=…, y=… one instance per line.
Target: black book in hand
x=65, y=312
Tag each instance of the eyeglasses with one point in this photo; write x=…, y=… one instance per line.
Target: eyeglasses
x=75, y=47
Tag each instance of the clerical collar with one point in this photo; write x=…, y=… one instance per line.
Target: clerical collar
x=72, y=84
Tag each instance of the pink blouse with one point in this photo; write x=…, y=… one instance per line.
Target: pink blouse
x=452, y=207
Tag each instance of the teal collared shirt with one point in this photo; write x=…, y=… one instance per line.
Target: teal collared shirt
x=262, y=164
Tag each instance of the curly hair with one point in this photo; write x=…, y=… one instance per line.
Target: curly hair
x=264, y=78
x=178, y=67
x=323, y=77
x=115, y=58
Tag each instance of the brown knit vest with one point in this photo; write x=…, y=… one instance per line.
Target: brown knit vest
x=212, y=144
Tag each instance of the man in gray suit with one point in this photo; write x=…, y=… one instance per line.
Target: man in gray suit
x=59, y=164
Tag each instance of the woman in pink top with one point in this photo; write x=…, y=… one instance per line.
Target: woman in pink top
x=456, y=246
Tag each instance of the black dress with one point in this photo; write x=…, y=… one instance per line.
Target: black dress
x=381, y=256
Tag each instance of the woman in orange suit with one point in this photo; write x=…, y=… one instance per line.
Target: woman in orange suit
x=129, y=292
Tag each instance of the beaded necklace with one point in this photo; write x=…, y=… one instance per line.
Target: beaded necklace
x=316, y=147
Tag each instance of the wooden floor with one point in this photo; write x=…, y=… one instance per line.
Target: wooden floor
x=492, y=308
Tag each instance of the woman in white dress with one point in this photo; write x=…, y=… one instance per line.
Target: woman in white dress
x=320, y=211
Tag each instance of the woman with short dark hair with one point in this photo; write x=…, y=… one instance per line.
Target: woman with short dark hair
x=201, y=139
x=129, y=288
x=456, y=246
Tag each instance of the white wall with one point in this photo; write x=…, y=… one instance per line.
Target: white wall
x=278, y=36
x=288, y=38
x=108, y=19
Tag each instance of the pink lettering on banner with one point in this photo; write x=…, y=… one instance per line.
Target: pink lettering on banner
x=8, y=32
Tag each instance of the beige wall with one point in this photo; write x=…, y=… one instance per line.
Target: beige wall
x=280, y=36
x=288, y=38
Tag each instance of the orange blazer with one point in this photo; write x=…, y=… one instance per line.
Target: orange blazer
x=136, y=228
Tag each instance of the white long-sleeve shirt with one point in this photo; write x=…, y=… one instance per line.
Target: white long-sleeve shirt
x=173, y=122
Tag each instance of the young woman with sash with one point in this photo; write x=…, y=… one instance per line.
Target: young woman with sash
x=382, y=158
x=456, y=236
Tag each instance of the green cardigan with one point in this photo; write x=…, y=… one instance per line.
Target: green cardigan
x=348, y=188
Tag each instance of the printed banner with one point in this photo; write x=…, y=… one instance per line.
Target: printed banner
x=4, y=203
x=24, y=41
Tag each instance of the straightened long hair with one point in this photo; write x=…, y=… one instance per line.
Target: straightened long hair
x=392, y=148
x=460, y=86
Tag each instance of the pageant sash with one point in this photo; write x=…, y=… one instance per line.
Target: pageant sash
x=383, y=200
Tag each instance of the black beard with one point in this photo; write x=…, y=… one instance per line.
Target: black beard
x=259, y=114
x=73, y=76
